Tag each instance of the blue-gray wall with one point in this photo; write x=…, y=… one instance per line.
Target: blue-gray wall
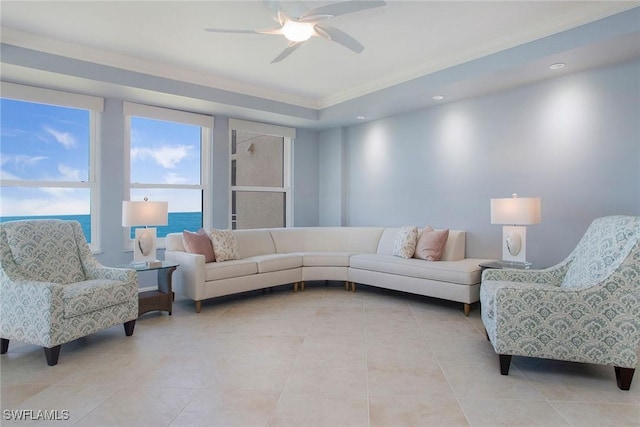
x=573, y=140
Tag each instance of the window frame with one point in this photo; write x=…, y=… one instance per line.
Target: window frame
x=206, y=124
x=288, y=135
x=95, y=106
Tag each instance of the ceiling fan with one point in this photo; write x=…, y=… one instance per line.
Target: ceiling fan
x=307, y=23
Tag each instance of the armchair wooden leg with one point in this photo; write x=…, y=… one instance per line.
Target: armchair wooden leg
x=129, y=326
x=624, y=377
x=4, y=345
x=52, y=354
x=467, y=309
x=505, y=363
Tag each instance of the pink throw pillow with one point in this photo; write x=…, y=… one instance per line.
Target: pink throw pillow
x=431, y=244
x=198, y=243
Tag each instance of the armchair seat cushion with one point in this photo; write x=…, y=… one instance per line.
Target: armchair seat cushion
x=91, y=295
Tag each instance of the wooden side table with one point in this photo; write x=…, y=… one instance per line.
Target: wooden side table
x=162, y=298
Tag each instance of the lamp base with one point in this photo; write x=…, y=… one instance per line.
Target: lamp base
x=144, y=245
x=514, y=244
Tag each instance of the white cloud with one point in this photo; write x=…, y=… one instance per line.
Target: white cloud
x=174, y=178
x=22, y=160
x=65, y=138
x=166, y=156
x=68, y=173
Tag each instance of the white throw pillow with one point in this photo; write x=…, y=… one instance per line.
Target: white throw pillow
x=404, y=244
x=225, y=245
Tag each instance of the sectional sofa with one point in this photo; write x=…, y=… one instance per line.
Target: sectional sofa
x=271, y=257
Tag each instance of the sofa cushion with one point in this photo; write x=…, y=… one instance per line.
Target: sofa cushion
x=254, y=242
x=276, y=262
x=454, y=249
x=465, y=272
x=326, y=259
x=404, y=245
x=198, y=243
x=91, y=295
x=228, y=269
x=326, y=239
x=225, y=246
x=430, y=246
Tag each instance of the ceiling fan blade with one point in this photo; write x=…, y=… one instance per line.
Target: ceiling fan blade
x=337, y=9
x=288, y=51
x=338, y=36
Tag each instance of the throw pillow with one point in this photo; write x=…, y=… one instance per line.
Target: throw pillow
x=404, y=244
x=198, y=243
x=225, y=245
x=431, y=244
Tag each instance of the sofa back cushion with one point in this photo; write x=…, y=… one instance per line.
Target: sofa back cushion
x=454, y=249
x=45, y=250
x=254, y=242
x=326, y=239
x=604, y=246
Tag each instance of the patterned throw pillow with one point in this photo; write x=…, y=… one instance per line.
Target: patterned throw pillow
x=225, y=245
x=198, y=243
x=404, y=244
x=431, y=244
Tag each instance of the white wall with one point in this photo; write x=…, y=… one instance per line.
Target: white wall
x=574, y=141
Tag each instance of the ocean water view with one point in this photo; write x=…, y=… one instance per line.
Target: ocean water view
x=178, y=222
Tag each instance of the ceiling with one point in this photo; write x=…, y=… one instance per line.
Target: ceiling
x=435, y=47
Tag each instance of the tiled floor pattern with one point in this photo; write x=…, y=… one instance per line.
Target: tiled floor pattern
x=322, y=357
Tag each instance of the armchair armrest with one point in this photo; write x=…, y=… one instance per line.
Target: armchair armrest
x=552, y=275
x=31, y=311
x=189, y=280
x=97, y=271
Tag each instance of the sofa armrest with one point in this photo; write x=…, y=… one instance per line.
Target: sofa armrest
x=189, y=277
x=31, y=311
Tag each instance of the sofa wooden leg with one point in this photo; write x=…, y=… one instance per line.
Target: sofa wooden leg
x=295, y=287
x=624, y=377
x=347, y=285
x=302, y=285
x=353, y=286
x=505, y=363
x=4, y=345
x=467, y=309
x=52, y=355
x=198, y=306
x=130, y=326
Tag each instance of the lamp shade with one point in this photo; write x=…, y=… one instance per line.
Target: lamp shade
x=144, y=213
x=516, y=211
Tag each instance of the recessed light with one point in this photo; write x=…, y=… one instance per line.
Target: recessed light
x=360, y=117
x=557, y=65
x=438, y=97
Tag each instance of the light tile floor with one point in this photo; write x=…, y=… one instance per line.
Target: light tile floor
x=322, y=357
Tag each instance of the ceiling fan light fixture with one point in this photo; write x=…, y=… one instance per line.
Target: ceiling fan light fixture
x=297, y=31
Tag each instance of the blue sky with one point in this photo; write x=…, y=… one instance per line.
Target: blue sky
x=49, y=143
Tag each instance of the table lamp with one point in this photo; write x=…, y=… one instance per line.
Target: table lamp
x=146, y=213
x=515, y=213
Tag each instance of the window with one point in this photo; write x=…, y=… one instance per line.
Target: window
x=49, y=146
x=260, y=175
x=168, y=153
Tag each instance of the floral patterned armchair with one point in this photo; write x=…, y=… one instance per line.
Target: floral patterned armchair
x=585, y=309
x=53, y=290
